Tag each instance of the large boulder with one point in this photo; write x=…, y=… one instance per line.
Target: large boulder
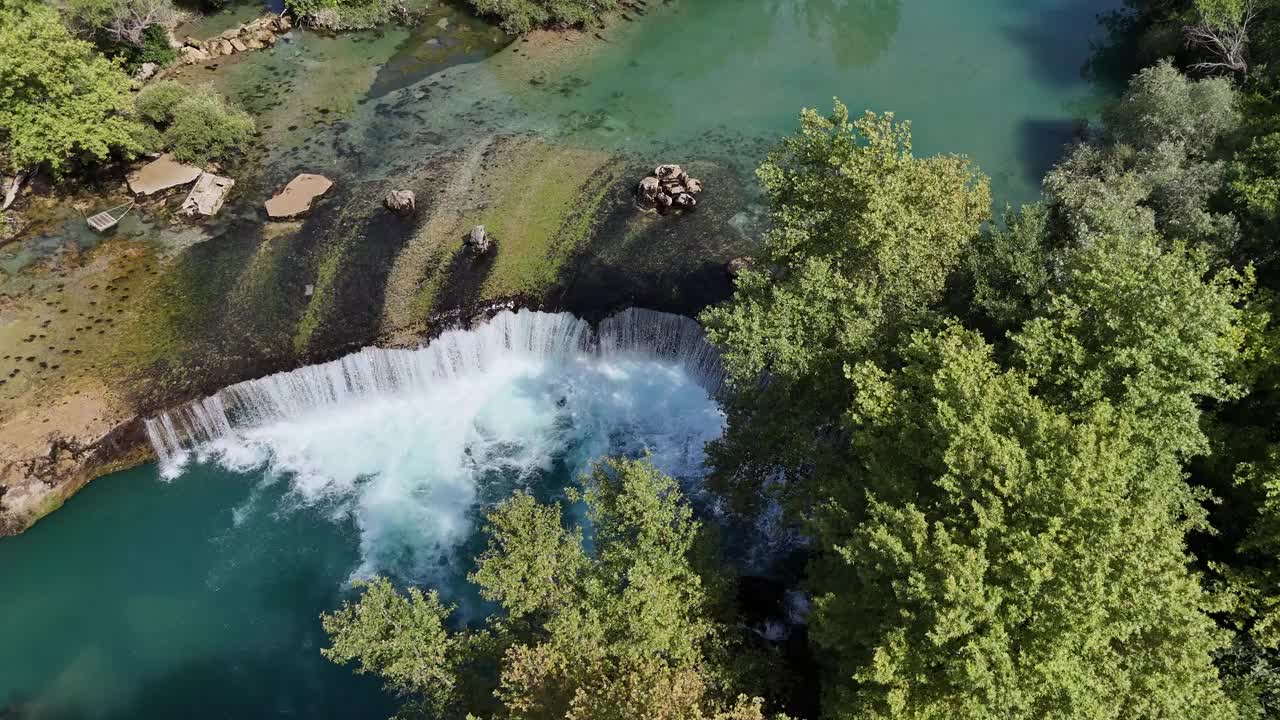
x=478, y=241
x=298, y=196
x=400, y=202
x=647, y=192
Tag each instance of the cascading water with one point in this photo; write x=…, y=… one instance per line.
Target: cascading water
x=412, y=444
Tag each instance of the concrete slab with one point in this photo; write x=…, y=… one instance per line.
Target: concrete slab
x=161, y=174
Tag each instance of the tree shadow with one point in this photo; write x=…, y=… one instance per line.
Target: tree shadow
x=1042, y=143
x=1051, y=41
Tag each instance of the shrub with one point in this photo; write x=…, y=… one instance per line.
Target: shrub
x=521, y=16
x=158, y=100
x=344, y=14
x=204, y=128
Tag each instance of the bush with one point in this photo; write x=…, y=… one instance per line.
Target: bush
x=344, y=14
x=521, y=16
x=158, y=100
x=204, y=128
x=198, y=126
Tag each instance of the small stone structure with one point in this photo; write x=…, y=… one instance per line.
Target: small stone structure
x=261, y=33
x=207, y=196
x=161, y=174
x=298, y=196
x=400, y=202
x=669, y=186
x=478, y=241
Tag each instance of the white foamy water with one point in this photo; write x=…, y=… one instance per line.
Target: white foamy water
x=412, y=443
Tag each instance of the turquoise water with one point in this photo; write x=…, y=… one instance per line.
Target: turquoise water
x=199, y=597
x=144, y=599
x=1002, y=81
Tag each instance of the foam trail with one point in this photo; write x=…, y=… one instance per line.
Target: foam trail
x=413, y=443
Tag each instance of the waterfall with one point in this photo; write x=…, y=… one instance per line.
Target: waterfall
x=373, y=372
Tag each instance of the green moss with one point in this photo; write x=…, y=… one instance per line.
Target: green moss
x=539, y=227
x=322, y=296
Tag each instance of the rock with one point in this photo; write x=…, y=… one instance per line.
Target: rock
x=298, y=196
x=145, y=71
x=669, y=186
x=190, y=41
x=735, y=266
x=228, y=34
x=238, y=44
x=161, y=174
x=283, y=23
x=443, y=23
x=207, y=196
x=225, y=48
x=192, y=55
x=254, y=43
x=400, y=202
x=647, y=192
x=668, y=172
x=478, y=241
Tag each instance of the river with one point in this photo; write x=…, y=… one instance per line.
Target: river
x=198, y=595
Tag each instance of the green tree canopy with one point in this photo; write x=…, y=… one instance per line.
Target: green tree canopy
x=863, y=236
x=60, y=101
x=634, y=627
x=995, y=556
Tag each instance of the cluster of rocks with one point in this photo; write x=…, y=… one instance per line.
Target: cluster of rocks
x=669, y=186
x=255, y=35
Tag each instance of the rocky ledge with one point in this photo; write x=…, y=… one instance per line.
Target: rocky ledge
x=261, y=33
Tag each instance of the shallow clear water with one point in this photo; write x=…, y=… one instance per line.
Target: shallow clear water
x=1002, y=81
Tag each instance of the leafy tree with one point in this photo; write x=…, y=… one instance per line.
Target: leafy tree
x=1012, y=267
x=993, y=555
x=863, y=238
x=1142, y=327
x=632, y=628
x=122, y=22
x=521, y=16
x=1153, y=168
x=60, y=102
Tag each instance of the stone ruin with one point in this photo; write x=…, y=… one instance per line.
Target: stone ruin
x=668, y=187
x=254, y=35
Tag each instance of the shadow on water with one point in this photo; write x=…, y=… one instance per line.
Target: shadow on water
x=857, y=31
x=1043, y=142
x=1052, y=40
